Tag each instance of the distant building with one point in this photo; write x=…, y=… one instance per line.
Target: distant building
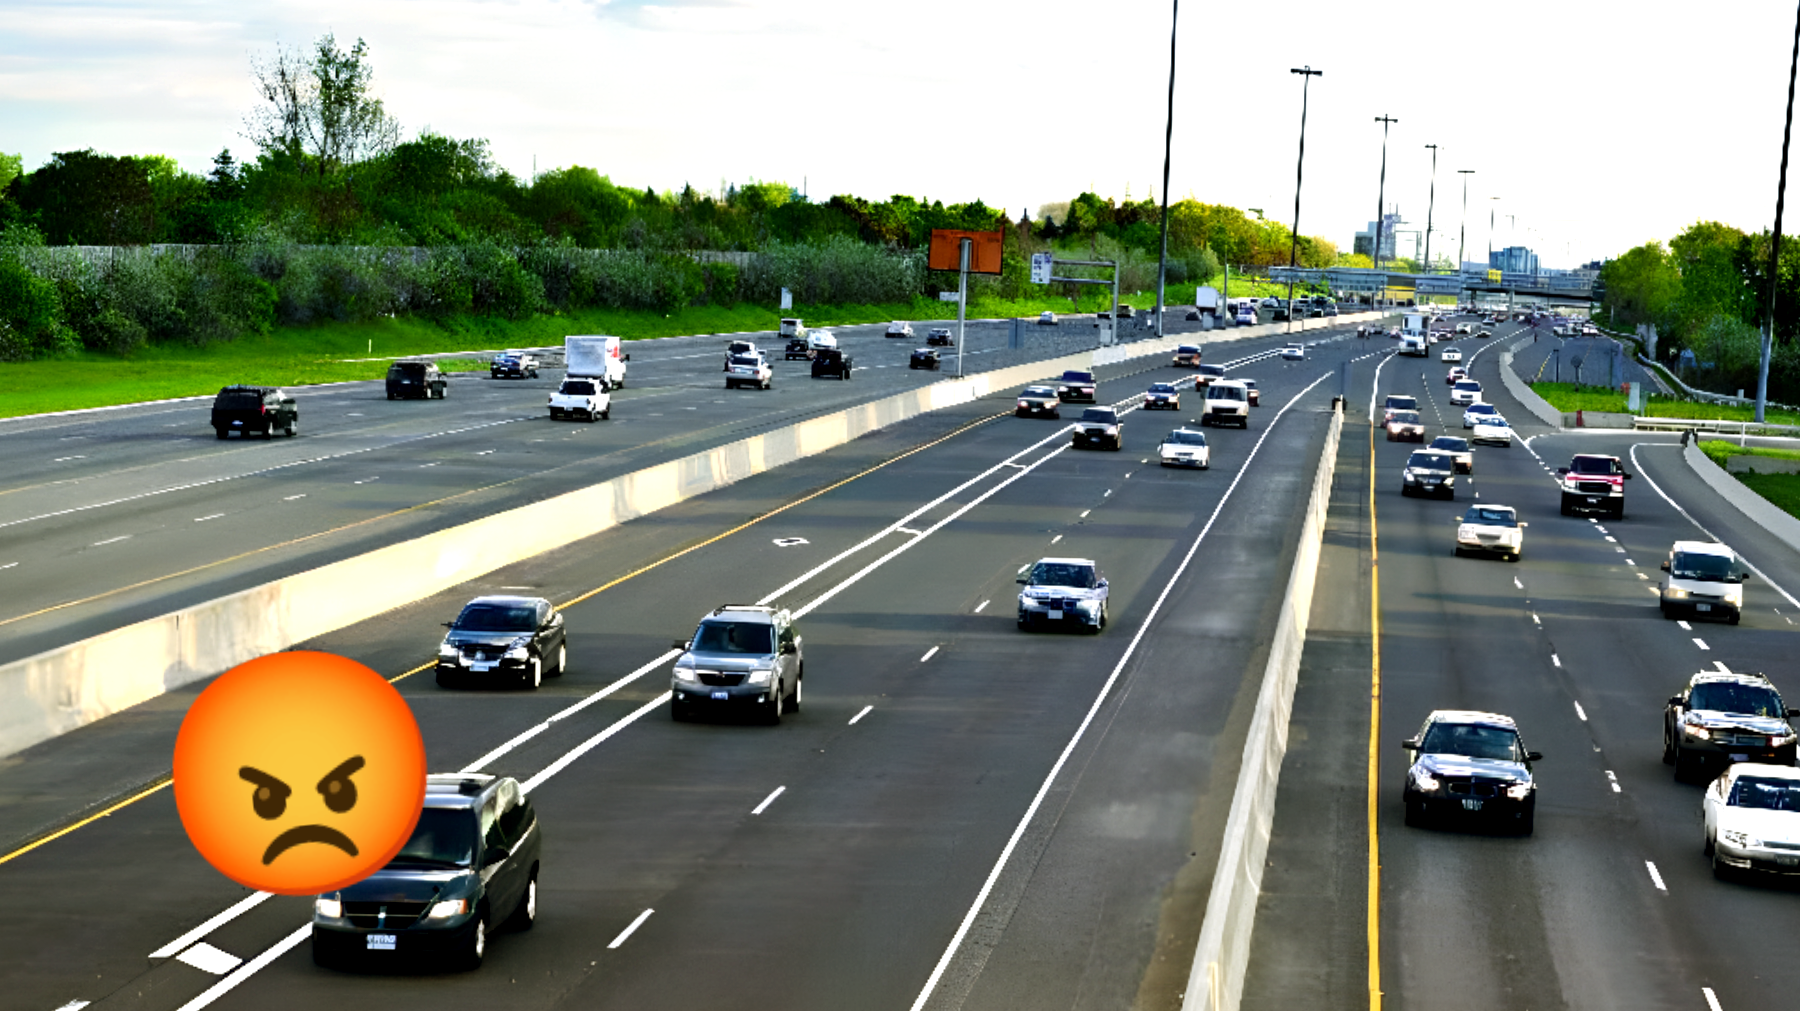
x=1514, y=260
x=1364, y=242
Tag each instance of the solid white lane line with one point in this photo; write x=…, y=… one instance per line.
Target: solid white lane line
x=1686, y=515
x=1581, y=712
x=1084, y=513
x=1655, y=877
x=865, y=711
x=203, y=519
x=1555, y=660
x=238, y=908
x=1058, y=537
x=207, y=958
x=113, y=540
x=593, y=742
x=248, y=969
x=770, y=799
x=1684, y=626
x=628, y=931
x=929, y=654
x=1712, y=1001
x=1722, y=668
x=74, y=1005
x=1012, y=842
x=481, y=763
x=291, y=498
x=978, y=607
x=1702, y=644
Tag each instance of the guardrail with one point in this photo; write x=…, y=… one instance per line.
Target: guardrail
x=68, y=687
x=1216, y=980
x=1697, y=425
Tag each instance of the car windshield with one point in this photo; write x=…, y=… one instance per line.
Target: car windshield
x=443, y=837
x=1491, y=517
x=497, y=618
x=1469, y=385
x=1473, y=740
x=1161, y=388
x=1078, y=377
x=1697, y=565
x=1100, y=414
x=1482, y=409
x=739, y=347
x=1402, y=403
x=1185, y=438
x=578, y=387
x=1187, y=349
x=1212, y=370
x=1491, y=421
x=1406, y=417
x=743, y=360
x=1038, y=391
x=1737, y=699
x=1767, y=794
x=734, y=637
x=1063, y=574
x=1450, y=444
x=1430, y=461
x=1595, y=465
x=1224, y=393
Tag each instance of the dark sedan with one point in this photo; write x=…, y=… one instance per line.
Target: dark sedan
x=1470, y=765
x=925, y=358
x=797, y=348
x=503, y=640
x=1077, y=387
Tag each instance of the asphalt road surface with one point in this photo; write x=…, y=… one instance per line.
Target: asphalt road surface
x=1610, y=904
x=962, y=816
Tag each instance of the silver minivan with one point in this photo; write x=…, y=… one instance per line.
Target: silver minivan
x=1704, y=579
x=742, y=657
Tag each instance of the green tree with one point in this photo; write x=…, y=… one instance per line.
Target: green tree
x=319, y=106
x=88, y=198
x=1642, y=286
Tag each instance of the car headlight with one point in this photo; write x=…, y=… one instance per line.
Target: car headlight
x=447, y=908
x=685, y=673
x=1519, y=791
x=1734, y=595
x=1677, y=592
x=446, y=649
x=1410, y=476
x=1465, y=533
x=761, y=676
x=518, y=649
x=1087, y=605
x=1696, y=731
x=1737, y=838
x=1425, y=781
x=330, y=909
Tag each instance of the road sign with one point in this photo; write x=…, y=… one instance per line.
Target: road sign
x=946, y=250
x=949, y=296
x=1041, y=266
x=787, y=299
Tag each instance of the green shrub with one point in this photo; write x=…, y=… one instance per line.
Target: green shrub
x=721, y=283
x=31, y=313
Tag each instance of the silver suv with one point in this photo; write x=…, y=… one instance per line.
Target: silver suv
x=741, y=656
x=1066, y=591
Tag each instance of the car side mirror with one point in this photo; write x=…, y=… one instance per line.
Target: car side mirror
x=1665, y=566
x=1675, y=700
x=1562, y=471
x=1534, y=756
x=1523, y=525
x=493, y=855
x=680, y=644
x=449, y=624
x=789, y=649
x=1743, y=577
x=1792, y=712
x=1628, y=477
x=1021, y=580
x=1410, y=744
x=627, y=357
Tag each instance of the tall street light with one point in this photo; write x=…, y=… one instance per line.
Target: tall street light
x=1307, y=73
x=1787, y=133
x=1381, y=192
x=1162, y=265
x=1430, y=207
x=1491, y=207
x=1462, y=235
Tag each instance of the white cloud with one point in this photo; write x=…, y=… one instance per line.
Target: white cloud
x=1598, y=128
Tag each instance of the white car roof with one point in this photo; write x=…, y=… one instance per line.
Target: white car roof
x=1064, y=561
x=1472, y=716
x=1223, y=383
x=1701, y=548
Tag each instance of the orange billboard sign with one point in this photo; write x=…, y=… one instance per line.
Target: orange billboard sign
x=946, y=250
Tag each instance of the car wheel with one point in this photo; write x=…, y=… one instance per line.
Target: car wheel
x=677, y=712
x=474, y=949
x=772, y=708
x=1459, y=551
x=292, y=427
x=1415, y=813
x=1721, y=870
x=1706, y=844
x=534, y=676
x=593, y=416
x=1513, y=557
x=1687, y=767
x=1527, y=819
x=1733, y=619
x=793, y=704
x=445, y=680
x=606, y=415
x=1668, y=755
x=730, y=385
x=268, y=431
x=1057, y=415
x=562, y=661
x=525, y=913
x=390, y=396
x=1565, y=506
x=1018, y=414
x=220, y=432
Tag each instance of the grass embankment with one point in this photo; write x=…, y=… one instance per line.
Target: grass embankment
x=1568, y=397
x=1781, y=490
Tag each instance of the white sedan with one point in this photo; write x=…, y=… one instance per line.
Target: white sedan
x=1491, y=429
x=1047, y=318
x=1294, y=353
x=1464, y=392
x=818, y=340
x=900, y=328
x=1491, y=529
x=1752, y=819
x=1477, y=411
x=1184, y=447
x=1450, y=355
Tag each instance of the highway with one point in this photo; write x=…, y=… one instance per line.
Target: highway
x=1610, y=904
x=967, y=816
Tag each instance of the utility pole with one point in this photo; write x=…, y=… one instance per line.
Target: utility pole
x=1490, y=260
x=1462, y=235
x=1787, y=133
x=1429, y=208
x=1307, y=73
x=1162, y=263
x=1381, y=193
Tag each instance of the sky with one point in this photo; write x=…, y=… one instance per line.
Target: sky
x=1592, y=126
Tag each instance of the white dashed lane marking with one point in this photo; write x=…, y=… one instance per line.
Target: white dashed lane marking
x=770, y=799
x=865, y=711
x=631, y=929
x=1655, y=876
x=1702, y=643
x=929, y=654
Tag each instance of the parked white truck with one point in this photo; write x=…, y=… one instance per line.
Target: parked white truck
x=594, y=367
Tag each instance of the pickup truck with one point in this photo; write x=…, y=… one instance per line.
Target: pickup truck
x=1593, y=483
x=581, y=397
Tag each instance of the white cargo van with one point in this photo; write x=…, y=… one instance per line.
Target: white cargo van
x=597, y=357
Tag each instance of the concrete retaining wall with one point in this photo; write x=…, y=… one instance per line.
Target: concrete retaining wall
x=65, y=688
x=1216, y=981
x=1760, y=511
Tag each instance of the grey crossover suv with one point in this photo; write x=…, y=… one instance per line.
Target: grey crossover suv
x=741, y=657
x=470, y=866
x=1065, y=591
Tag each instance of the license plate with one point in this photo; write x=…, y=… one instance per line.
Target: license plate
x=237, y=422
x=721, y=695
x=1784, y=861
x=1702, y=607
x=1740, y=758
x=481, y=666
x=1471, y=803
x=1056, y=614
x=380, y=942
x=1593, y=501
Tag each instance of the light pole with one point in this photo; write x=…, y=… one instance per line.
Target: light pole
x=1162, y=265
x=1381, y=191
x=1462, y=235
x=1787, y=133
x=1429, y=207
x=1307, y=73
x=1491, y=231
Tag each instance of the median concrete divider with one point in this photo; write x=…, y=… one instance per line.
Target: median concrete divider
x=1216, y=981
x=1525, y=394
x=61, y=689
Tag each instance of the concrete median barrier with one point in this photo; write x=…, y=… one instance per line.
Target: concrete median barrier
x=65, y=688
x=1216, y=981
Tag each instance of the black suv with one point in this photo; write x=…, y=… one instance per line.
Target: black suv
x=496, y=640
x=470, y=866
x=831, y=362
x=261, y=409
x=797, y=348
x=416, y=379
x=1721, y=718
x=925, y=358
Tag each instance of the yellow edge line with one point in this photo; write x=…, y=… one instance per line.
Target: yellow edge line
x=571, y=603
x=59, y=833
x=1374, y=741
